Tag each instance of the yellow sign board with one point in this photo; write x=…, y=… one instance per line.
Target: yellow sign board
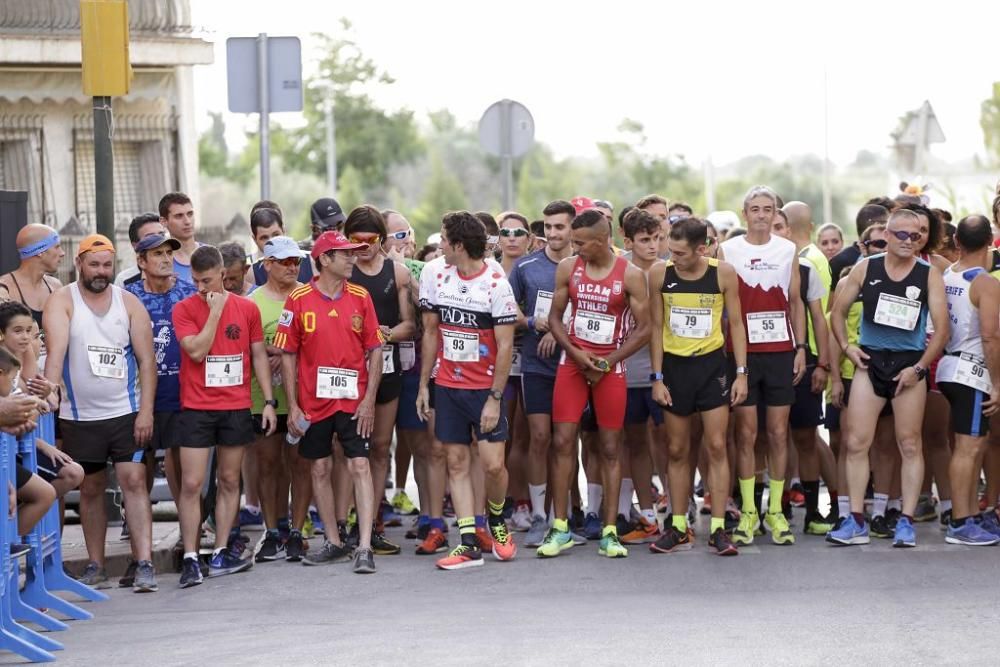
x=104, y=52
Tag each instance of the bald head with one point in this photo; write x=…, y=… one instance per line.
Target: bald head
x=31, y=234
x=799, y=218
x=38, y=245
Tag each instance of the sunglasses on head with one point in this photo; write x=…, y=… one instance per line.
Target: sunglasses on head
x=516, y=232
x=911, y=236
x=287, y=261
x=399, y=236
x=876, y=243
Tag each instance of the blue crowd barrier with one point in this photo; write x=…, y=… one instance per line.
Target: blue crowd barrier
x=43, y=565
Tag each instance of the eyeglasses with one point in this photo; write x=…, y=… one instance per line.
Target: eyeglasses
x=603, y=203
x=370, y=239
x=877, y=243
x=676, y=218
x=288, y=262
x=399, y=236
x=911, y=236
x=516, y=232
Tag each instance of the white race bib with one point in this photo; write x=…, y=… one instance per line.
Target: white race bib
x=971, y=371
x=336, y=383
x=388, y=368
x=106, y=362
x=515, y=364
x=223, y=370
x=460, y=347
x=691, y=322
x=543, y=304
x=767, y=327
x=897, y=312
x=407, y=355
x=595, y=328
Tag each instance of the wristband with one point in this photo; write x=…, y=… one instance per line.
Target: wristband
x=531, y=322
x=825, y=367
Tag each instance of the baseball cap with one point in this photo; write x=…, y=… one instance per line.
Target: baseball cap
x=151, y=241
x=723, y=220
x=581, y=204
x=328, y=241
x=327, y=213
x=95, y=243
x=434, y=239
x=282, y=247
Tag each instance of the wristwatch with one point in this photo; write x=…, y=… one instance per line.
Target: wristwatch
x=656, y=377
x=743, y=370
x=603, y=364
x=921, y=371
x=801, y=346
x=272, y=402
x=496, y=394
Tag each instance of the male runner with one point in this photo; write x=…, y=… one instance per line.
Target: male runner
x=177, y=214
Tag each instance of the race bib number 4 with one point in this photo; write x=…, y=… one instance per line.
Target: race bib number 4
x=971, y=371
x=460, y=347
x=594, y=328
x=897, y=312
x=224, y=370
x=336, y=383
x=691, y=322
x=768, y=327
x=106, y=362
x=388, y=367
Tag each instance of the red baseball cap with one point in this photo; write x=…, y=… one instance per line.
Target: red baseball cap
x=328, y=241
x=581, y=204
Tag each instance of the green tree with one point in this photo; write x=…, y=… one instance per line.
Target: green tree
x=989, y=120
x=351, y=191
x=443, y=193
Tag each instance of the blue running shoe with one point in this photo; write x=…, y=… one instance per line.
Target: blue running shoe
x=849, y=533
x=905, y=534
x=250, y=520
x=225, y=562
x=990, y=522
x=592, y=526
x=970, y=533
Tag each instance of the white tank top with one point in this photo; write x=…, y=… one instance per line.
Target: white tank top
x=966, y=334
x=100, y=371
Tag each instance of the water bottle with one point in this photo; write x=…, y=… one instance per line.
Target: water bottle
x=303, y=426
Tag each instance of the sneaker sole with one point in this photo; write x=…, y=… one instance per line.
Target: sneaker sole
x=440, y=549
x=461, y=566
x=364, y=570
x=266, y=559
x=853, y=541
x=741, y=541
x=145, y=589
x=679, y=547
x=730, y=551
x=221, y=572
x=903, y=545
x=190, y=584
x=387, y=552
x=645, y=539
x=508, y=557
x=958, y=540
x=602, y=552
x=314, y=563
x=562, y=547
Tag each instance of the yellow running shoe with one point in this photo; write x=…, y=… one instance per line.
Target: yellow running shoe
x=612, y=547
x=778, y=525
x=403, y=505
x=745, y=530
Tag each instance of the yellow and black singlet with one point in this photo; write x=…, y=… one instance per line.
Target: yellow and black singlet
x=692, y=312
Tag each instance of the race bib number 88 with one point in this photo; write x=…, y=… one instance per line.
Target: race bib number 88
x=594, y=328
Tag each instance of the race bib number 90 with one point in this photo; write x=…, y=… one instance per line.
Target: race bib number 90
x=972, y=372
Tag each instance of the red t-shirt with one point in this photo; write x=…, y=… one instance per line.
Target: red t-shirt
x=331, y=338
x=221, y=381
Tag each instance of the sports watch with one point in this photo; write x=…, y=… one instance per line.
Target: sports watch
x=272, y=402
x=496, y=394
x=742, y=370
x=656, y=377
x=921, y=372
x=603, y=365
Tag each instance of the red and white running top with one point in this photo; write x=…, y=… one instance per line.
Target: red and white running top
x=765, y=273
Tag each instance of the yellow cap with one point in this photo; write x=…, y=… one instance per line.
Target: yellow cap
x=95, y=243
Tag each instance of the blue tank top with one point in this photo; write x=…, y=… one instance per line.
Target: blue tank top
x=894, y=313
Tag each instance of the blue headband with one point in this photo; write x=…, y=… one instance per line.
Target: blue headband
x=39, y=247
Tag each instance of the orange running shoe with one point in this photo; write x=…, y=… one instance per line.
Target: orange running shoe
x=503, y=542
x=484, y=540
x=461, y=557
x=643, y=533
x=435, y=542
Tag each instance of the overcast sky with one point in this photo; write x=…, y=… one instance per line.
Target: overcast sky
x=720, y=78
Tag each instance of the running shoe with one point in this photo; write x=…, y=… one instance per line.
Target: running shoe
x=225, y=562
x=536, y=532
x=781, y=532
x=817, y=524
x=706, y=505
x=308, y=529
x=419, y=531
x=722, y=544
x=990, y=522
x=849, y=533
x=612, y=547
x=295, y=547
x=946, y=519
x=404, y=505
x=926, y=509
x=449, y=507
x=905, y=535
x=382, y=546
x=269, y=549
x=129, y=577
x=971, y=534
x=892, y=516
x=503, y=542
x=797, y=496
x=94, y=576
x=520, y=520
x=623, y=524
x=316, y=522
x=364, y=561
x=435, y=542
x=461, y=557
x=555, y=542
x=190, y=573
x=880, y=527
x=327, y=554
x=349, y=536
x=786, y=504
x=483, y=539
x=250, y=519
x=576, y=520
x=578, y=539
x=237, y=544
x=145, y=578
x=663, y=504
x=747, y=528
x=699, y=489
x=592, y=526
x=692, y=510
x=672, y=540
x=644, y=532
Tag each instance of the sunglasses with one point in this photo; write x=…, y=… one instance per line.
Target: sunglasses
x=288, y=262
x=399, y=236
x=370, y=239
x=877, y=243
x=903, y=236
x=516, y=232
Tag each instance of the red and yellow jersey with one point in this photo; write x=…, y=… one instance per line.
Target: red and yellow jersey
x=331, y=338
x=601, y=314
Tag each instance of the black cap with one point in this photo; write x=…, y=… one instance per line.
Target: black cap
x=326, y=213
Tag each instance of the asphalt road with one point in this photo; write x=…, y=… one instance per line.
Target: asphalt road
x=804, y=604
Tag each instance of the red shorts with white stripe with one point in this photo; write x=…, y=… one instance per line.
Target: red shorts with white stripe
x=571, y=393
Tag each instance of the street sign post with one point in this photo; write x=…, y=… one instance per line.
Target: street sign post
x=264, y=75
x=507, y=131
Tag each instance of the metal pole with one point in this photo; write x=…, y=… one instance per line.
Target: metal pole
x=331, y=148
x=709, y=185
x=264, y=102
x=506, y=159
x=827, y=194
x=104, y=169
